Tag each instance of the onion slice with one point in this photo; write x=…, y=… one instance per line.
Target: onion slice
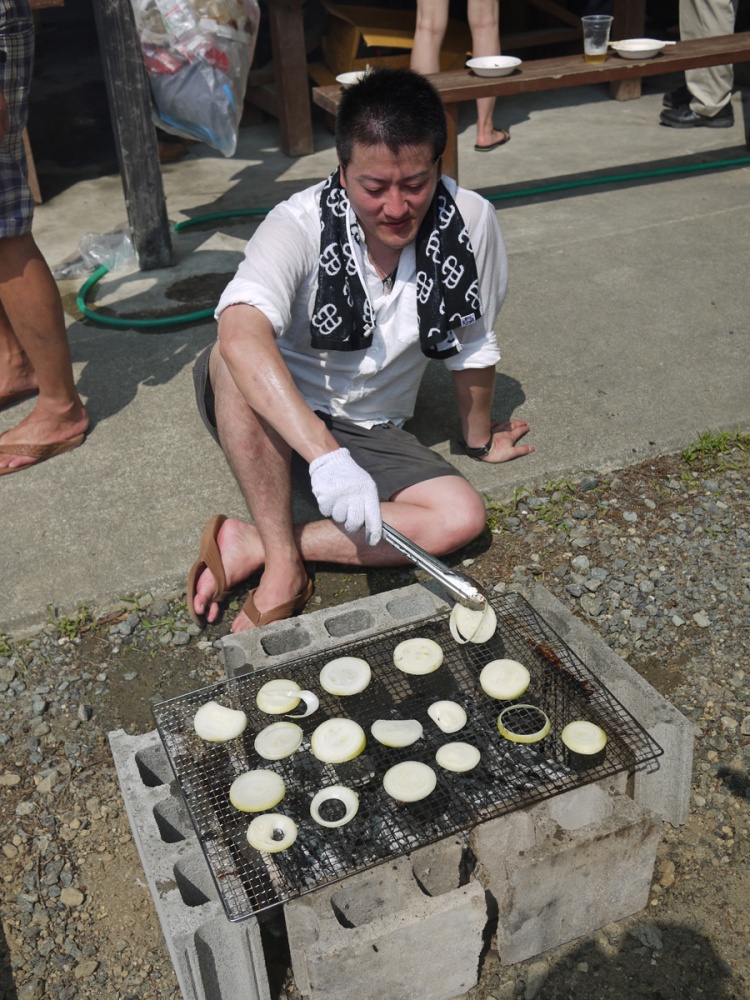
x=504, y=679
x=278, y=740
x=418, y=655
x=448, y=716
x=337, y=740
x=409, y=781
x=271, y=832
x=346, y=675
x=458, y=756
x=255, y=791
x=347, y=796
x=467, y=625
x=217, y=723
x=396, y=732
x=312, y=703
x=278, y=696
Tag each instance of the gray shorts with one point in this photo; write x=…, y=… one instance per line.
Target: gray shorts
x=394, y=458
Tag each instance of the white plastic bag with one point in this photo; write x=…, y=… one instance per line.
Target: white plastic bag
x=197, y=55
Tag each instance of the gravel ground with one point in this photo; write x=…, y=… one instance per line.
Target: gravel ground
x=656, y=558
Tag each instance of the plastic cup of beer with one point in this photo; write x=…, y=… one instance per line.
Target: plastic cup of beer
x=596, y=29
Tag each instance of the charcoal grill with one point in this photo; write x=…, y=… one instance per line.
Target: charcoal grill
x=510, y=775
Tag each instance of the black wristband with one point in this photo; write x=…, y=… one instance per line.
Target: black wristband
x=479, y=452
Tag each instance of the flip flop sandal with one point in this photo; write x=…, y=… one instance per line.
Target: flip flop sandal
x=281, y=612
x=500, y=142
x=209, y=558
x=39, y=452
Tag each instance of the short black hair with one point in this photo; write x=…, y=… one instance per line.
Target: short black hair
x=396, y=108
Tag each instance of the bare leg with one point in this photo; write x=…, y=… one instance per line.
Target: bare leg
x=440, y=515
x=432, y=22
x=32, y=312
x=16, y=372
x=484, y=22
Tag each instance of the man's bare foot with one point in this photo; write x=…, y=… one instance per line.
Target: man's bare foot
x=241, y=554
x=43, y=427
x=273, y=591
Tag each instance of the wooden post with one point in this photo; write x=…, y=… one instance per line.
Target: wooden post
x=290, y=74
x=129, y=97
x=629, y=22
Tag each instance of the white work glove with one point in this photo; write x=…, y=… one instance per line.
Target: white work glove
x=347, y=493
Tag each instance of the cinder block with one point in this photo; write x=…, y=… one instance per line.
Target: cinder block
x=213, y=958
x=384, y=935
x=664, y=785
x=566, y=867
x=311, y=633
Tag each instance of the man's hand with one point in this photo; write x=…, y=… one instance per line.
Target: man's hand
x=347, y=493
x=504, y=438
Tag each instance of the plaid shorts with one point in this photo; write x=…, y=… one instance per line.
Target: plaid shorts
x=16, y=62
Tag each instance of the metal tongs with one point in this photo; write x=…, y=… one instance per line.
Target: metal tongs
x=460, y=586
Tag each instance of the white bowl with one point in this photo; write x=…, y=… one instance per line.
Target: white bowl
x=637, y=48
x=493, y=65
x=347, y=79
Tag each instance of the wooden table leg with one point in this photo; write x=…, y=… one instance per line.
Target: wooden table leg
x=36, y=193
x=290, y=74
x=629, y=22
x=450, y=156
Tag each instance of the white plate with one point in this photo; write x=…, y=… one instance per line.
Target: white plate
x=347, y=79
x=493, y=65
x=637, y=48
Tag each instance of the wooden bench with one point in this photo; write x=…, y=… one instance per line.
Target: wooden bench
x=461, y=85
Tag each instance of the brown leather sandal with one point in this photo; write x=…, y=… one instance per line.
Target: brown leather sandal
x=281, y=612
x=208, y=558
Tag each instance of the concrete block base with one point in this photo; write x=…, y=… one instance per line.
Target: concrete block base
x=566, y=867
x=382, y=935
x=213, y=958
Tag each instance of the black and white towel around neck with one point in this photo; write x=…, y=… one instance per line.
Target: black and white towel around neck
x=447, y=284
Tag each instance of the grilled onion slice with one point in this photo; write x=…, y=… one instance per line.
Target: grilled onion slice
x=396, y=732
x=217, y=724
x=418, y=656
x=271, y=832
x=467, y=625
x=337, y=740
x=409, y=781
x=255, y=791
x=504, y=679
x=346, y=675
x=278, y=740
x=458, y=756
x=311, y=701
x=278, y=696
x=448, y=716
x=340, y=793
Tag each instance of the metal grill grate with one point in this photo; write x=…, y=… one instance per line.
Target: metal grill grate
x=509, y=775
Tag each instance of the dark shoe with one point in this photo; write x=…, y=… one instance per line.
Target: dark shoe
x=683, y=117
x=677, y=97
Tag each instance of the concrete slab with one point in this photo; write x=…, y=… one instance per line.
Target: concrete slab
x=625, y=332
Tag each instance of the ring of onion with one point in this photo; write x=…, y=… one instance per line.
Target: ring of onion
x=216, y=723
x=409, y=781
x=278, y=696
x=448, y=716
x=261, y=832
x=346, y=675
x=347, y=796
x=418, y=655
x=468, y=625
x=278, y=740
x=458, y=757
x=256, y=791
x=504, y=679
x=337, y=740
x=535, y=726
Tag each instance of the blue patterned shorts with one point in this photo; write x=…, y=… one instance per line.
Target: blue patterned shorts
x=16, y=62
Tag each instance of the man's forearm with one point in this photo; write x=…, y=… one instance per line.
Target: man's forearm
x=474, y=389
x=250, y=352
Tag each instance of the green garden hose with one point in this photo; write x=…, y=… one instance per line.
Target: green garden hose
x=528, y=192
